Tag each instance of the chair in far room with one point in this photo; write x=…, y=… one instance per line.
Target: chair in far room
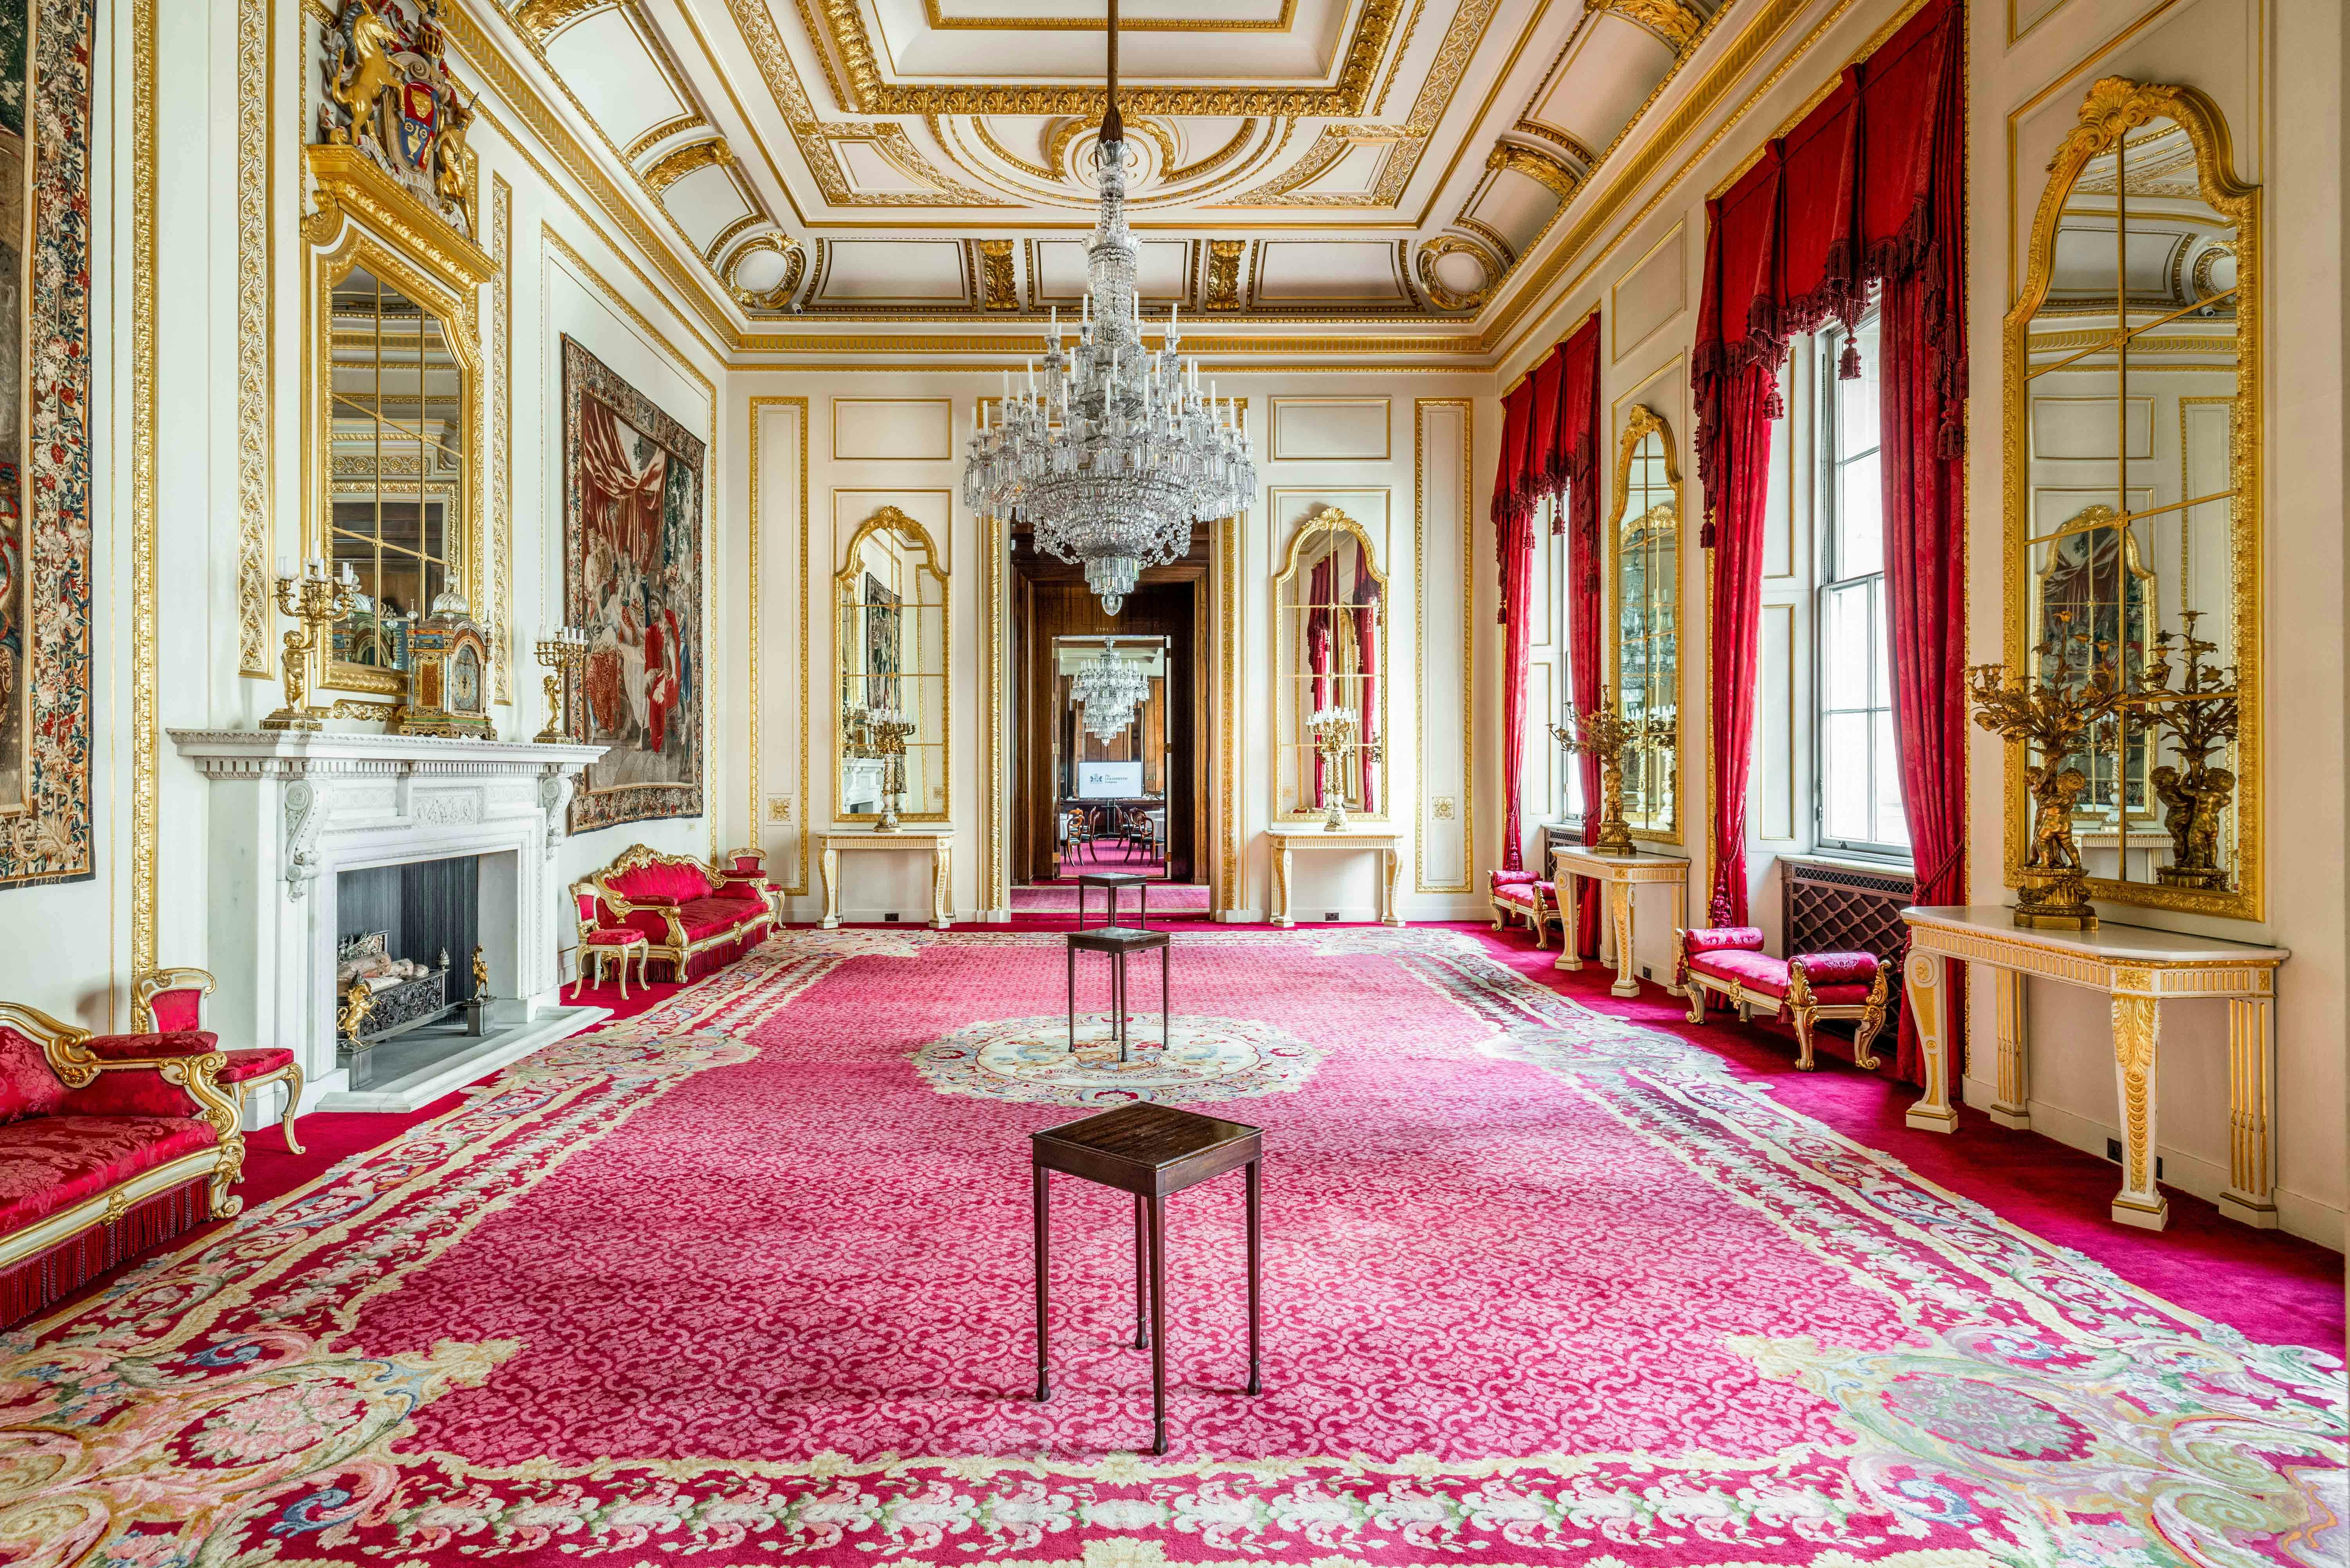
x=166, y=1000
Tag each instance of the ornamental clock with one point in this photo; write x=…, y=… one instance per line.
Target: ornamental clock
x=448, y=678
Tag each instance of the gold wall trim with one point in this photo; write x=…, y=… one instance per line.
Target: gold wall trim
x=995, y=870
x=145, y=736
x=501, y=358
x=798, y=886
x=257, y=330
x=1228, y=783
x=1420, y=587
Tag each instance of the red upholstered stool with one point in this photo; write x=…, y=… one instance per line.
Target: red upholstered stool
x=173, y=998
x=1728, y=960
x=601, y=948
x=1529, y=898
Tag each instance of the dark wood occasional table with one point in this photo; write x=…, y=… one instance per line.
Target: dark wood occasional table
x=1150, y=1150
x=1112, y=883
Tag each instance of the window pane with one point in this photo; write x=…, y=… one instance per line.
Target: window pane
x=1846, y=627
x=1880, y=646
x=1857, y=418
x=1844, y=776
x=1892, y=822
x=1860, y=526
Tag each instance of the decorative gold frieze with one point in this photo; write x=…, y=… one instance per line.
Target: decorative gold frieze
x=539, y=20
x=689, y=159
x=1224, y=273
x=1671, y=20
x=662, y=132
x=1542, y=168
x=998, y=289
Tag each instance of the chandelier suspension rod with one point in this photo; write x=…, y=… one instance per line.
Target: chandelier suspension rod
x=1112, y=128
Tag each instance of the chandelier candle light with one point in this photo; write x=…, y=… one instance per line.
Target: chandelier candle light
x=1115, y=453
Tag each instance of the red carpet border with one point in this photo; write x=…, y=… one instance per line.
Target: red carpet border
x=747, y=1276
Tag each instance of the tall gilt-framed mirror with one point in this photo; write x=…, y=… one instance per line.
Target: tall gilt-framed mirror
x=1330, y=658
x=2132, y=414
x=395, y=402
x=890, y=732
x=1644, y=591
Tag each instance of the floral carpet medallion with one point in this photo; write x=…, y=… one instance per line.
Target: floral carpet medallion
x=1203, y=1060
x=735, y=1282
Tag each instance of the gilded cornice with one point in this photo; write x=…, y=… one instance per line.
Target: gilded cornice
x=780, y=296
x=1537, y=164
x=728, y=235
x=693, y=157
x=1447, y=299
x=689, y=120
x=941, y=22
x=1671, y=20
x=858, y=86
x=1574, y=147
x=348, y=182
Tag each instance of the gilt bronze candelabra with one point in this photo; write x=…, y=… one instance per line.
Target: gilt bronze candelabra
x=1335, y=742
x=316, y=601
x=2050, y=718
x=888, y=730
x=1603, y=732
x=561, y=654
x=2201, y=714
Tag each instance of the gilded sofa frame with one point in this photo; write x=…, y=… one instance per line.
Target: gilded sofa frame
x=68, y=1051
x=186, y=977
x=679, y=950
x=1539, y=910
x=1800, y=1006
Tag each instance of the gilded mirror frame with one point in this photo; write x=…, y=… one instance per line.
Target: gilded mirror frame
x=1640, y=423
x=2114, y=106
x=845, y=583
x=1325, y=520
x=364, y=220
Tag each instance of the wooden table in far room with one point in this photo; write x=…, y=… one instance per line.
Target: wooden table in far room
x=2137, y=969
x=1620, y=874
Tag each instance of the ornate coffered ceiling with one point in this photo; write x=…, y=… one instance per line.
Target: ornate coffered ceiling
x=1335, y=160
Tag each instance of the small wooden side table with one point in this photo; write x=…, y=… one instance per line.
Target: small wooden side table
x=1118, y=941
x=1150, y=1150
x=1110, y=883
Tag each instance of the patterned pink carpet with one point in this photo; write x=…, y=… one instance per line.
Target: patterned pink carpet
x=747, y=1277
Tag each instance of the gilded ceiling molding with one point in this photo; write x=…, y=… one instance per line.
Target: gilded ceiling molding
x=1056, y=150
x=941, y=22
x=1535, y=164
x=998, y=289
x=256, y=277
x=693, y=157
x=1216, y=159
x=728, y=235
x=539, y=20
x=1671, y=20
x=1573, y=146
x=898, y=150
x=779, y=297
x=860, y=87
x=690, y=121
x=1224, y=273
x=1452, y=244
x=987, y=140
x=1492, y=237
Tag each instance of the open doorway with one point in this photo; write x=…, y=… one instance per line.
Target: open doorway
x=1108, y=785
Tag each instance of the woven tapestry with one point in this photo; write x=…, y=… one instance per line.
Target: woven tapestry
x=632, y=576
x=45, y=582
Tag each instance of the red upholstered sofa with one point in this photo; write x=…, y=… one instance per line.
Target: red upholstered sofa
x=109, y=1144
x=173, y=998
x=1729, y=962
x=695, y=917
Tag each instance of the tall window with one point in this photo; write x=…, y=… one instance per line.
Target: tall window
x=1858, y=766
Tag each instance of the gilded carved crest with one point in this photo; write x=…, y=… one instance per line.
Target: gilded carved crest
x=389, y=95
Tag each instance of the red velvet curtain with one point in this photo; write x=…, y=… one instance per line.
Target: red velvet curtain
x=1869, y=187
x=1579, y=443
x=1513, y=543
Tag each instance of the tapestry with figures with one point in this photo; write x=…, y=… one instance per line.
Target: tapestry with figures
x=44, y=525
x=632, y=490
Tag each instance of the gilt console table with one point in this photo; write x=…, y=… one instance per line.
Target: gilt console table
x=932, y=840
x=2137, y=969
x=1286, y=841
x=1620, y=874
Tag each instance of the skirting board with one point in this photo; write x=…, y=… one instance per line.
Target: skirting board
x=2296, y=1215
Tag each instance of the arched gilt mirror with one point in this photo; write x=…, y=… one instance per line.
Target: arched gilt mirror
x=1330, y=658
x=2133, y=419
x=890, y=653
x=1644, y=587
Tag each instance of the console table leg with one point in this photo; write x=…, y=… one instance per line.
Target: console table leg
x=1922, y=983
x=1569, y=888
x=1042, y=1200
x=1620, y=908
x=941, y=916
x=1388, y=916
x=2251, y=1194
x=1158, y=1207
x=1281, y=887
x=2137, y=1026
x=828, y=868
x=2012, y=1108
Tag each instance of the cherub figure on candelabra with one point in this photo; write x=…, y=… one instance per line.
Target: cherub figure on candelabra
x=1602, y=731
x=316, y=601
x=886, y=730
x=2201, y=714
x=2052, y=717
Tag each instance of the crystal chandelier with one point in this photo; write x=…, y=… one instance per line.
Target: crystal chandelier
x=1109, y=689
x=1115, y=453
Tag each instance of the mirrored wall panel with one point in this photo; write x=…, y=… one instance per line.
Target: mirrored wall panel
x=1330, y=655
x=1644, y=555
x=889, y=647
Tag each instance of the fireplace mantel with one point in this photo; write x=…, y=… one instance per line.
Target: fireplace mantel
x=326, y=802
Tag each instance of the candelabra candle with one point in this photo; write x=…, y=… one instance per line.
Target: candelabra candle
x=316, y=601
x=1603, y=732
x=1334, y=732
